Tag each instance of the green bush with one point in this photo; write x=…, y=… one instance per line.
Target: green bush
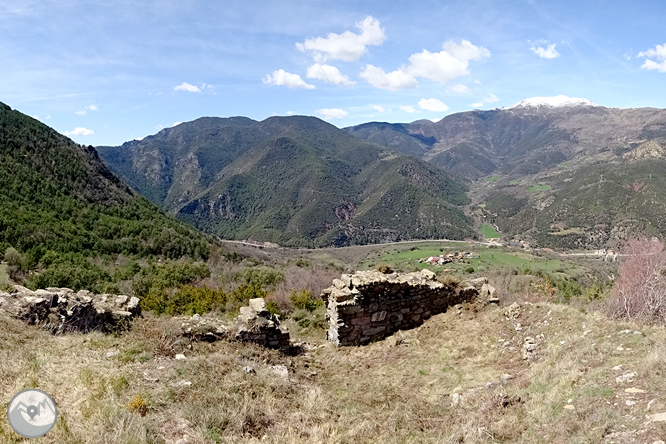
x=310, y=319
x=13, y=257
x=169, y=275
x=303, y=301
x=469, y=270
x=187, y=300
x=74, y=276
x=260, y=276
x=245, y=292
x=273, y=308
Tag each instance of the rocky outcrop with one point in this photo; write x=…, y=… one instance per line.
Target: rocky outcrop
x=256, y=324
x=62, y=310
x=369, y=305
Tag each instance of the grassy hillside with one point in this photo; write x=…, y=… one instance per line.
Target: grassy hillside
x=296, y=181
x=592, y=207
x=60, y=203
x=458, y=378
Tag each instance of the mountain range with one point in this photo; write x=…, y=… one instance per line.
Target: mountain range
x=557, y=172
x=554, y=172
x=296, y=180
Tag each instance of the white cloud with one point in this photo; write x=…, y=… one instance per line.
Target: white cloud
x=548, y=52
x=283, y=78
x=81, y=113
x=491, y=98
x=658, y=53
x=79, y=131
x=477, y=81
x=187, y=87
x=347, y=46
x=408, y=108
x=92, y=107
x=433, y=105
x=332, y=113
x=447, y=64
x=392, y=81
x=329, y=74
x=451, y=62
x=378, y=108
x=458, y=89
x=291, y=113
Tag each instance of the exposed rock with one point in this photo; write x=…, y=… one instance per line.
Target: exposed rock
x=513, y=311
x=627, y=376
x=487, y=291
x=478, y=283
x=61, y=310
x=256, y=324
x=530, y=349
x=652, y=149
x=280, y=370
x=180, y=357
x=247, y=369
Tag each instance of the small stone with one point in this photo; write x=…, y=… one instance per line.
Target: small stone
x=196, y=318
x=111, y=354
x=634, y=390
x=617, y=367
x=628, y=402
x=658, y=417
x=456, y=399
x=248, y=369
x=569, y=407
x=280, y=370
x=627, y=376
x=180, y=357
x=183, y=383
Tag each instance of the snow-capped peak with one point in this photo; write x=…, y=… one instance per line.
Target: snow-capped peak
x=552, y=102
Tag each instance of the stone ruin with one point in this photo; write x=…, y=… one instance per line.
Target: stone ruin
x=369, y=305
x=62, y=310
x=256, y=324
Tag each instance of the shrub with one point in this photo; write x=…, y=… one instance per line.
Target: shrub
x=310, y=319
x=303, y=301
x=469, y=270
x=266, y=277
x=13, y=257
x=639, y=292
x=273, y=308
x=383, y=267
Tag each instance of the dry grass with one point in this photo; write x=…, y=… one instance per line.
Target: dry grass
x=399, y=390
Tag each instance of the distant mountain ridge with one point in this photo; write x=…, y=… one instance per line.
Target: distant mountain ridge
x=294, y=180
x=533, y=167
x=532, y=136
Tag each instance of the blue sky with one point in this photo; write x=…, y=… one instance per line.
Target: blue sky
x=108, y=71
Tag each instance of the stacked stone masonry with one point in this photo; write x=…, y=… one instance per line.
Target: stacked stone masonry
x=62, y=310
x=256, y=324
x=368, y=305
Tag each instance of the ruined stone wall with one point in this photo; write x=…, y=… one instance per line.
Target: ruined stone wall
x=62, y=310
x=368, y=305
